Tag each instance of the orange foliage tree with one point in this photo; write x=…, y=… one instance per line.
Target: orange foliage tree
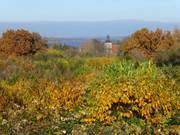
x=21, y=42
x=146, y=43
x=172, y=54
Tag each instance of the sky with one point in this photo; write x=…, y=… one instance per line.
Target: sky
x=89, y=10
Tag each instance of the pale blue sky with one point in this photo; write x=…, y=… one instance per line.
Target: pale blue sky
x=89, y=10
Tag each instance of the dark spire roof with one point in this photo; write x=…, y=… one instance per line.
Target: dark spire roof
x=108, y=39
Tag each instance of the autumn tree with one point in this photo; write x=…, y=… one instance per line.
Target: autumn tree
x=176, y=35
x=145, y=43
x=172, y=55
x=21, y=42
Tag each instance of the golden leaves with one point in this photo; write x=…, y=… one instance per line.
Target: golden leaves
x=146, y=98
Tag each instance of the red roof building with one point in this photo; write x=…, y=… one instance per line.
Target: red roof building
x=115, y=48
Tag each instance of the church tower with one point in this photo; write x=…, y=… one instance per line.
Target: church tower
x=108, y=45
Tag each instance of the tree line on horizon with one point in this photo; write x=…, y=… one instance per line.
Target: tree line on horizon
x=158, y=45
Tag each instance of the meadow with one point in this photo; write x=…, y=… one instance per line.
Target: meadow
x=51, y=93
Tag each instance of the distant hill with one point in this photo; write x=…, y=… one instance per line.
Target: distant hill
x=87, y=29
x=77, y=41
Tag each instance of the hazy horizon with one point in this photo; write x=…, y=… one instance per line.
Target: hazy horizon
x=80, y=29
x=89, y=10
x=88, y=18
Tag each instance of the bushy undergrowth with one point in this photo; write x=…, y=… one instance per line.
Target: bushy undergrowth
x=48, y=93
x=128, y=90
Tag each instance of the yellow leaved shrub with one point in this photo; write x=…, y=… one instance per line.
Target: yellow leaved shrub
x=150, y=97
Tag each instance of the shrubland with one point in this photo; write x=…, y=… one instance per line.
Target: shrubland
x=52, y=92
x=126, y=90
